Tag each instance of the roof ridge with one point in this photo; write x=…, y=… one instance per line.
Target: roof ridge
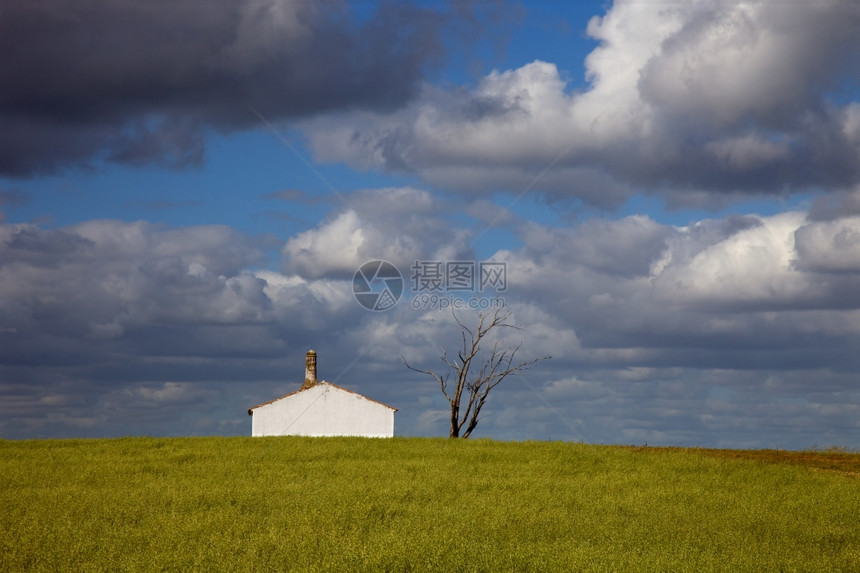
x=357, y=394
x=250, y=410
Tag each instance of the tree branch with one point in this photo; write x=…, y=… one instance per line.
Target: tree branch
x=492, y=371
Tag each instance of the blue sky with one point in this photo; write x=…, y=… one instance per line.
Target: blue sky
x=185, y=196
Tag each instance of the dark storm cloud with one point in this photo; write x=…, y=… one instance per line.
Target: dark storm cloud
x=141, y=82
x=835, y=206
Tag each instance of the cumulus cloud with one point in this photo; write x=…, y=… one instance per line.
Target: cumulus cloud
x=738, y=331
x=141, y=83
x=731, y=293
x=104, y=319
x=99, y=277
x=830, y=247
x=672, y=333
x=399, y=225
x=727, y=98
x=751, y=267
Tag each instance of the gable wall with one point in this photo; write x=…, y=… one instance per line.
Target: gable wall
x=323, y=411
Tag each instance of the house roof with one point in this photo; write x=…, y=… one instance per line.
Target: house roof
x=252, y=408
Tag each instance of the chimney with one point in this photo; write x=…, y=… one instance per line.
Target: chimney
x=310, y=369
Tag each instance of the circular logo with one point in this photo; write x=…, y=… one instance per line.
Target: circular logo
x=377, y=285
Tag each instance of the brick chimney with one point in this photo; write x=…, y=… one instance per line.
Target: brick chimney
x=310, y=369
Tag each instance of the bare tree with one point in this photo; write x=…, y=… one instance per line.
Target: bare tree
x=475, y=374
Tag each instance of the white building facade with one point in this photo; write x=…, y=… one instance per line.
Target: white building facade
x=321, y=408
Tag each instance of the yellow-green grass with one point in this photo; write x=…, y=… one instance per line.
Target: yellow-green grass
x=413, y=504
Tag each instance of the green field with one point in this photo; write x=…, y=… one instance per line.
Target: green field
x=412, y=504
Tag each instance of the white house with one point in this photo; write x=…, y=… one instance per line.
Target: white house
x=321, y=408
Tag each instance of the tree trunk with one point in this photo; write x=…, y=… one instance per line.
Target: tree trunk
x=496, y=366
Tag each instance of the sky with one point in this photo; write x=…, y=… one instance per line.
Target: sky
x=669, y=193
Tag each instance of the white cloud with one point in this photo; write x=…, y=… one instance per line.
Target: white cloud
x=339, y=246
x=831, y=246
x=399, y=225
x=265, y=28
x=658, y=333
x=100, y=277
x=724, y=98
x=753, y=265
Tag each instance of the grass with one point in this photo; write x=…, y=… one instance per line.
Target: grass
x=412, y=504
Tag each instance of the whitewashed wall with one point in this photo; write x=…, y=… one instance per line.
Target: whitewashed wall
x=323, y=410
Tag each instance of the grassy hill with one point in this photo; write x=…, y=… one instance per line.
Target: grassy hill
x=411, y=504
